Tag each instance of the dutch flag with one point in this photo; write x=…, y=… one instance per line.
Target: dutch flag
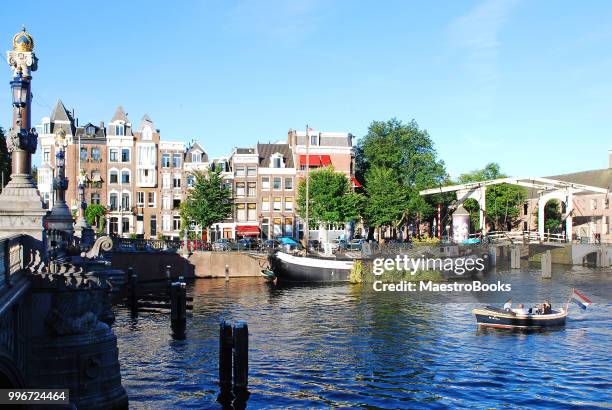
x=581, y=300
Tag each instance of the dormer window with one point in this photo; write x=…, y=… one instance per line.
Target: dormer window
x=90, y=130
x=196, y=157
x=46, y=128
x=146, y=133
x=276, y=161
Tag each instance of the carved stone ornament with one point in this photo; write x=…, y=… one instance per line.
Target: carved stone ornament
x=22, y=140
x=22, y=62
x=104, y=243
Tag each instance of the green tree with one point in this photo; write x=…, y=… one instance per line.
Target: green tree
x=5, y=160
x=553, y=218
x=94, y=214
x=331, y=198
x=409, y=153
x=503, y=201
x=209, y=201
x=386, y=203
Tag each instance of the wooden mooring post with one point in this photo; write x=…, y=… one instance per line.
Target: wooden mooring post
x=546, y=265
x=233, y=361
x=132, y=289
x=515, y=257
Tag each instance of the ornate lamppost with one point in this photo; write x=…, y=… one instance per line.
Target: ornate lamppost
x=60, y=218
x=21, y=208
x=82, y=229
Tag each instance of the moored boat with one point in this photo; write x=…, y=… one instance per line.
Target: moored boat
x=289, y=268
x=499, y=318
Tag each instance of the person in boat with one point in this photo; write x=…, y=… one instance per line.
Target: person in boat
x=508, y=305
x=547, y=307
x=521, y=310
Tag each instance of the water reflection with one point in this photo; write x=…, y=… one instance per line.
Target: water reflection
x=349, y=346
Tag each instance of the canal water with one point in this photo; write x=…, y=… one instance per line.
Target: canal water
x=348, y=346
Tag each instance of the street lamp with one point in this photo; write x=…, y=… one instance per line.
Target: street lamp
x=19, y=89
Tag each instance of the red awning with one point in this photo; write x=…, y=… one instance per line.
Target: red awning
x=247, y=230
x=314, y=160
x=325, y=160
x=356, y=183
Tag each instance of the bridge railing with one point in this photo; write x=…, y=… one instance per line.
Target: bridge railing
x=525, y=237
x=13, y=251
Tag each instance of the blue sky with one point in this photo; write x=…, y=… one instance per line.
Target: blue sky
x=523, y=83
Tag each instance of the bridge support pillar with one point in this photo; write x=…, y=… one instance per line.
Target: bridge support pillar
x=493, y=255
x=546, y=265
x=515, y=257
x=603, y=258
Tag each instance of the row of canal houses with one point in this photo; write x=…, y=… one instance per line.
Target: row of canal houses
x=141, y=178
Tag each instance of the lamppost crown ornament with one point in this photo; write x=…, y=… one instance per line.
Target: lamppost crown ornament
x=22, y=58
x=22, y=41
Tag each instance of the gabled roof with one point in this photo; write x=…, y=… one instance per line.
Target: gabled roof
x=60, y=113
x=146, y=120
x=120, y=115
x=267, y=150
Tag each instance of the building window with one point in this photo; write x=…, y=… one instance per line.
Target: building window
x=151, y=199
x=252, y=189
x=46, y=128
x=277, y=203
x=277, y=183
x=176, y=183
x=176, y=160
x=276, y=162
x=125, y=177
x=125, y=225
x=277, y=227
x=140, y=199
x=176, y=202
x=288, y=184
x=166, y=181
x=113, y=201
x=113, y=177
x=265, y=204
x=265, y=183
x=525, y=209
x=190, y=180
x=166, y=223
x=125, y=155
x=83, y=154
x=113, y=226
x=314, y=140
x=240, y=171
x=176, y=222
x=166, y=203
x=112, y=156
x=251, y=171
x=125, y=201
x=606, y=203
x=146, y=177
x=288, y=227
x=252, y=212
x=196, y=157
x=95, y=154
x=153, y=224
x=265, y=228
x=95, y=198
x=165, y=160
x=47, y=155
x=289, y=204
x=240, y=212
x=239, y=188
x=119, y=129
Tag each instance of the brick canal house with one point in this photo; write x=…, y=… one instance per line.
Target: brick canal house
x=142, y=179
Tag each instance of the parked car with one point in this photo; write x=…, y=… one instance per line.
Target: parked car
x=244, y=244
x=355, y=244
x=314, y=245
x=289, y=244
x=221, y=245
x=270, y=244
x=338, y=245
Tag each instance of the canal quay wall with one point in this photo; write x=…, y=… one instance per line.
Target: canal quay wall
x=598, y=255
x=239, y=264
x=199, y=264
